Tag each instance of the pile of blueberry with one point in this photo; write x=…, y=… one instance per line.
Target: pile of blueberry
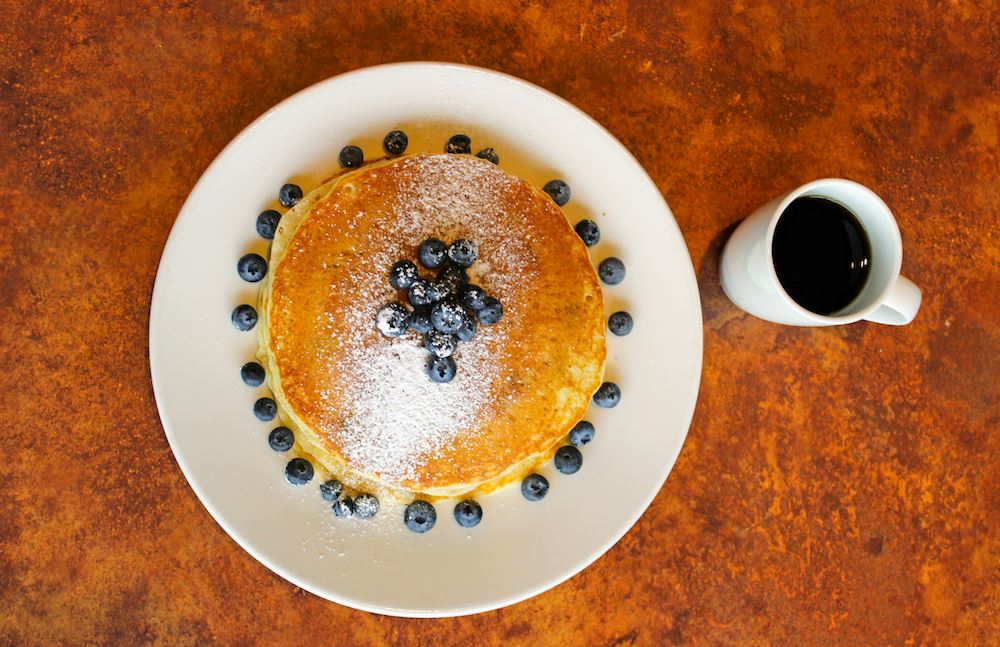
x=446, y=309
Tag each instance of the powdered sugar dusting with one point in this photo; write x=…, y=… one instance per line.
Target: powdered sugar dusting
x=404, y=417
x=396, y=419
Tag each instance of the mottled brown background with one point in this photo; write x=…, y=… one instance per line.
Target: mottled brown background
x=838, y=486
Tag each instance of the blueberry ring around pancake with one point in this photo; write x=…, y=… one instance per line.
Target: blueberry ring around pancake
x=541, y=363
x=403, y=275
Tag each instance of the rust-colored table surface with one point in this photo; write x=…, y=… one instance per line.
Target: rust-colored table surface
x=839, y=486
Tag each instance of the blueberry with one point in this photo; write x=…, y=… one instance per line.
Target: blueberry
x=437, y=290
x=582, y=433
x=472, y=296
x=420, y=319
x=620, y=323
x=589, y=232
x=289, y=194
x=395, y=142
x=419, y=516
x=440, y=344
x=468, y=513
x=267, y=223
x=462, y=252
x=331, y=490
x=611, y=270
x=447, y=317
x=244, y=317
x=252, y=374
x=265, y=409
x=351, y=157
x=365, y=506
x=534, y=487
x=299, y=471
x=343, y=507
x=441, y=369
x=491, y=311
x=281, y=439
x=558, y=191
x=392, y=319
x=432, y=253
x=458, y=144
x=568, y=459
x=251, y=267
x=489, y=154
x=608, y=395
x=403, y=274
x=468, y=329
x=420, y=293
x=452, y=277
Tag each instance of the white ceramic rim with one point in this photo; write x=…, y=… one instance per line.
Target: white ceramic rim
x=277, y=567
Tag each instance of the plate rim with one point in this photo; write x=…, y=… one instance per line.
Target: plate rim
x=275, y=567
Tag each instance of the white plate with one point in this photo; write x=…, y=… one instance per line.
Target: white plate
x=520, y=549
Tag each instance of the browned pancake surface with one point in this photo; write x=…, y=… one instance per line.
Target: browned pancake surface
x=521, y=384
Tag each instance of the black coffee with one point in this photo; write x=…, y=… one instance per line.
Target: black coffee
x=821, y=254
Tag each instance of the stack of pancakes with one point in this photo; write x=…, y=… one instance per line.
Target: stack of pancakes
x=361, y=404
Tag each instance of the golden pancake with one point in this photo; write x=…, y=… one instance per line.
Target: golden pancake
x=361, y=404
